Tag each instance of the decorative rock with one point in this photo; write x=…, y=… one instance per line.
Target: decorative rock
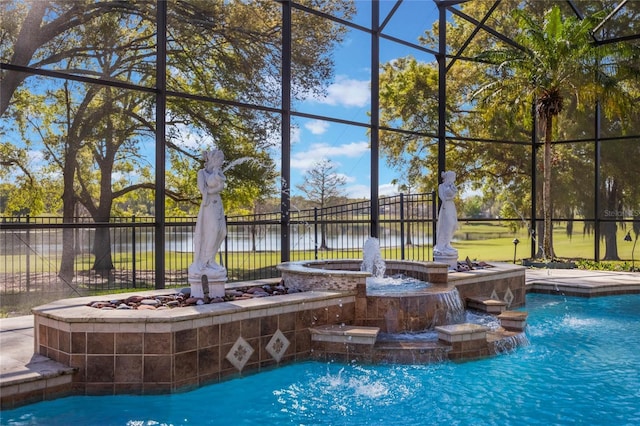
x=146, y=307
x=181, y=299
x=134, y=299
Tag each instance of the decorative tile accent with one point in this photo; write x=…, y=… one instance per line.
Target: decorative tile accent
x=240, y=353
x=278, y=345
x=508, y=297
x=494, y=295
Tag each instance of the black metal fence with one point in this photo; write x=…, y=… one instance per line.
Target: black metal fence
x=31, y=249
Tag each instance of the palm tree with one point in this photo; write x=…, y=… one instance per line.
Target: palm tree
x=557, y=59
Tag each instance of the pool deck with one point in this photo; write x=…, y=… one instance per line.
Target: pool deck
x=579, y=282
x=20, y=367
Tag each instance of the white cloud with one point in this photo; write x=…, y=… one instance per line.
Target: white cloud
x=316, y=152
x=347, y=178
x=353, y=149
x=317, y=127
x=296, y=135
x=358, y=191
x=303, y=162
x=347, y=92
x=387, y=189
x=363, y=191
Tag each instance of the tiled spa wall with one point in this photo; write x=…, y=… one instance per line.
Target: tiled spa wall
x=143, y=357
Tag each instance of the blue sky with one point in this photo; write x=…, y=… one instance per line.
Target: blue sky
x=348, y=98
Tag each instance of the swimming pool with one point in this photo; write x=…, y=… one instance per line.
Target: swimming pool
x=582, y=367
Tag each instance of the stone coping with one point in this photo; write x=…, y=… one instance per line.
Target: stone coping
x=345, y=267
x=335, y=267
x=75, y=310
x=409, y=292
x=515, y=315
x=506, y=270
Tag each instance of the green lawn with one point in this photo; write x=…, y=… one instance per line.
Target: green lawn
x=578, y=246
x=488, y=242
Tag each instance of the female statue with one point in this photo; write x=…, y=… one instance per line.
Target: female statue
x=211, y=228
x=448, y=217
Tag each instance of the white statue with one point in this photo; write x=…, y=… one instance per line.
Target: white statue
x=211, y=228
x=447, y=217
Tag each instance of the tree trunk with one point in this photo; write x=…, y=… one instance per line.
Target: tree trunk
x=323, y=236
x=67, y=259
x=547, y=241
x=539, y=231
x=103, y=263
x=611, y=196
x=610, y=242
x=254, y=231
x=409, y=240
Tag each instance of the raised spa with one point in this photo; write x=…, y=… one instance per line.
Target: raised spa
x=408, y=310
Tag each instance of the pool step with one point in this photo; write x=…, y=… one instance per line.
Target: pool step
x=38, y=380
x=353, y=334
x=486, y=304
x=513, y=320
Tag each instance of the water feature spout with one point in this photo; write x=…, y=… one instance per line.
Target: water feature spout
x=372, y=259
x=237, y=162
x=530, y=231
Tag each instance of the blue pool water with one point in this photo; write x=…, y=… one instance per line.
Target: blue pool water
x=582, y=367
